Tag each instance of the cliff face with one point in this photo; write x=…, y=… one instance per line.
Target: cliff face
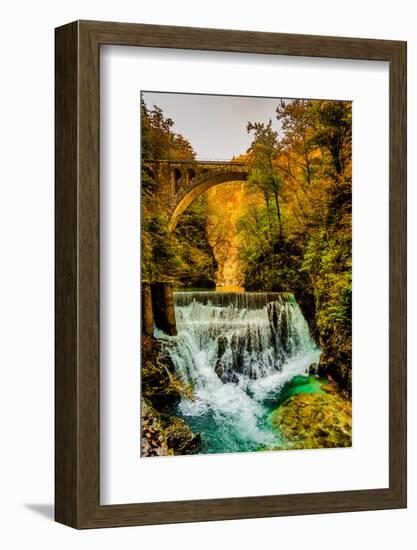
x=225, y=203
x=336, y=360
x=229, y=273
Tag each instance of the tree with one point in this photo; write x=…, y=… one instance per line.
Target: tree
x=303, y=243
x=183, y=256
x=262, y=151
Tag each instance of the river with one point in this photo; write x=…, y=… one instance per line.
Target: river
x=241, y=353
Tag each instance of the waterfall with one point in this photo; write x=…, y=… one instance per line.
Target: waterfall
x=237, y=350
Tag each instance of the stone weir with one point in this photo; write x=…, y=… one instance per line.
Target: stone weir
x=240, y=300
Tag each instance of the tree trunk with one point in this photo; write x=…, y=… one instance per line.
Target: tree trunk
x=276, y=199
x=278, y=214
x=267, y=210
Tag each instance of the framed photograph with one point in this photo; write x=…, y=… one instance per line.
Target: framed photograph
x=230, y=274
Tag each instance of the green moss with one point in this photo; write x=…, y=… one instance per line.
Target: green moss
x=315, y=420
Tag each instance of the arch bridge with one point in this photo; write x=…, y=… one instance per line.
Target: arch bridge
x=190, y=178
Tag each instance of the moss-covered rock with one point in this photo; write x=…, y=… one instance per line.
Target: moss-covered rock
x=160, y=385
x=180, y=439
x=315, y=420
x=153, y=440
x=164, y=435
x=336, y=359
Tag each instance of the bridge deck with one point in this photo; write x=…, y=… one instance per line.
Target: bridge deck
x=220, y=162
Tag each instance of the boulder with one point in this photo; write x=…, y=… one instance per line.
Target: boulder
x=225, y=374
x=315, y=421
x=163, y=435
x=312, y=369
x=153, y=441
x=180, y=439
x=160, y=385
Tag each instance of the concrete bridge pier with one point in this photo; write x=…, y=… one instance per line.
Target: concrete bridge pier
x=147, y=310
x=162, y=296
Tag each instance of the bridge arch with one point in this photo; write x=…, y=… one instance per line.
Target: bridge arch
x=198, y=185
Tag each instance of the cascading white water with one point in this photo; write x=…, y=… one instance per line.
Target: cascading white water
x=237, y=350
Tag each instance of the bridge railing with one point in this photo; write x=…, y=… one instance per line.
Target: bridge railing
x=215, y=162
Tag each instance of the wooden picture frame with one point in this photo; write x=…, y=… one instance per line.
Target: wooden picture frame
x=77, y=382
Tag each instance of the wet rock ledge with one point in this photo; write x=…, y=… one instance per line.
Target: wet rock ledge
x=163, y=433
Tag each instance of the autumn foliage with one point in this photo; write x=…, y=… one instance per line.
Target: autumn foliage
x=288, y=228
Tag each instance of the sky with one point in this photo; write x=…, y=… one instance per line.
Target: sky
x=215, y=125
